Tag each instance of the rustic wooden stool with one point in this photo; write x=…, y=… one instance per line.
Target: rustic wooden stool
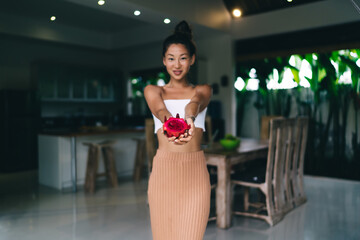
x=139, y=159
x=94, y=152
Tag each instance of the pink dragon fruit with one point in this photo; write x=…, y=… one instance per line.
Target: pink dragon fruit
x=175, y=126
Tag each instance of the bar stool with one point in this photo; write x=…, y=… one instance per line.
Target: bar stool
x=139, y=159
x=94, y=152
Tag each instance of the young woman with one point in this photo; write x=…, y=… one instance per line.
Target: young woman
x=179, y=185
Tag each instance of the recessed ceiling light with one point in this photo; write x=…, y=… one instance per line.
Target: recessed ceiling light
x=236, y=12
x=289, y=0
x=101, y=2
x=52, y=18
x=137, y=12
x=167, y=21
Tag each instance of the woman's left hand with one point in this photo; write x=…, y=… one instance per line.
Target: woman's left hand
x=187, y=136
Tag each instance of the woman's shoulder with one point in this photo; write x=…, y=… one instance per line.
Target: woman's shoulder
x=204, y=89
x=153, y=89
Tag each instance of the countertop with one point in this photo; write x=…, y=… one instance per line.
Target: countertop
x=90, y=132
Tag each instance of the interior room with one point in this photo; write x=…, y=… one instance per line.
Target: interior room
x=77, y=137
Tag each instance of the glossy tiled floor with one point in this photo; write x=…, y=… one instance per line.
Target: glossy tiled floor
x=29, y=211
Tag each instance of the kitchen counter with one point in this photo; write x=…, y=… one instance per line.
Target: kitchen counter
x=63, y=156
x=91, y=132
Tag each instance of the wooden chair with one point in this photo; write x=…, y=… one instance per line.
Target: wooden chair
x=258, y=166
x=274, y=188
x=265, y=126
x=150, y=141
x=94, y=152
x=296, y=192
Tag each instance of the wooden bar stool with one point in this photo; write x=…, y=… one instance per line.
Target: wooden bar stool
x=94, y=152
x=139, y=159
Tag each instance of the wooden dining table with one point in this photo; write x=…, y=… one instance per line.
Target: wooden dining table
x=216, y=155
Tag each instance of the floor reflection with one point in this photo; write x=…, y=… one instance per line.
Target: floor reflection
x=30, y=211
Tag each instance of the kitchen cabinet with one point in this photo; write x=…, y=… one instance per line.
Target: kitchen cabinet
x=76, y=83
x=78, y=88
x=63, y=89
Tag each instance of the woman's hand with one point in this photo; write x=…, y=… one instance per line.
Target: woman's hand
x=172, y=139
x=183, y=138
x=187, y=136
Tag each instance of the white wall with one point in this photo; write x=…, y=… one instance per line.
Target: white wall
x=218, y=54
x=140, y=58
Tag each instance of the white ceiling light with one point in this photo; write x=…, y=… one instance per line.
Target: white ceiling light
x=137, y=12
x=101, y=2
x=289, y=0
x=167, y=21
x=236, y=12
x=52, y=18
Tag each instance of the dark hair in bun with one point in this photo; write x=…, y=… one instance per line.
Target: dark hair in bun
x=181, y=35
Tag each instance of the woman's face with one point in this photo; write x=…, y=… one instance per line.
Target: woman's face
x=178, y=61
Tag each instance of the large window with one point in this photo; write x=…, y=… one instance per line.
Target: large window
x=323, y=86
x=137, y=82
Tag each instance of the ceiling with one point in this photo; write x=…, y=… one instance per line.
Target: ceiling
x=251, y=7
x=324, y=39
x=71, y=14
x=113, y=26
x=84, y=22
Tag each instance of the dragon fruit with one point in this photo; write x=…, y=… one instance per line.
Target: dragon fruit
x=175, y=126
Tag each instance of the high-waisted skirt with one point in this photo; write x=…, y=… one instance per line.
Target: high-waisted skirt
x=179, y=195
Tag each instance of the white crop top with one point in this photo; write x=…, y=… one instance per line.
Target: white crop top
x=175, y=106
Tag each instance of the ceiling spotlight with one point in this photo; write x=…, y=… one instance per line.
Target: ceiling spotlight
x=137, y=12
x=236, y=12
x=167, y=21
x=101, y=2
x=289, y=0
x=52, y=18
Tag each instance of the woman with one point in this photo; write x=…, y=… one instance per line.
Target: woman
x=179, y=185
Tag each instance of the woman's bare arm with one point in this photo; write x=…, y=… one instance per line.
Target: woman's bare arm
x=155, y=102
x=197, y=104
x=199, y=101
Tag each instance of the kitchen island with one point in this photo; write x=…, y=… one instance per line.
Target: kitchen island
x=62, y=156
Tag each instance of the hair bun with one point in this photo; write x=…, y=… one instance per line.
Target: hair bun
x=183, y=28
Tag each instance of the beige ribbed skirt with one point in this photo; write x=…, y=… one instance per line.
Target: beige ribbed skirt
x=179, y=195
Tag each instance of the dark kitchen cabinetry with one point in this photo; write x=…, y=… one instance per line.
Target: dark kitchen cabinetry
x=78, y=89
x=58, y=82
x=19, y=125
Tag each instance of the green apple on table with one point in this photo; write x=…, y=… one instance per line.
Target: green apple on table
x=230, y=142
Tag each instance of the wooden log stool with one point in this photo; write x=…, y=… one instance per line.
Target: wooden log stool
x=94, y=152
x=139, y=159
